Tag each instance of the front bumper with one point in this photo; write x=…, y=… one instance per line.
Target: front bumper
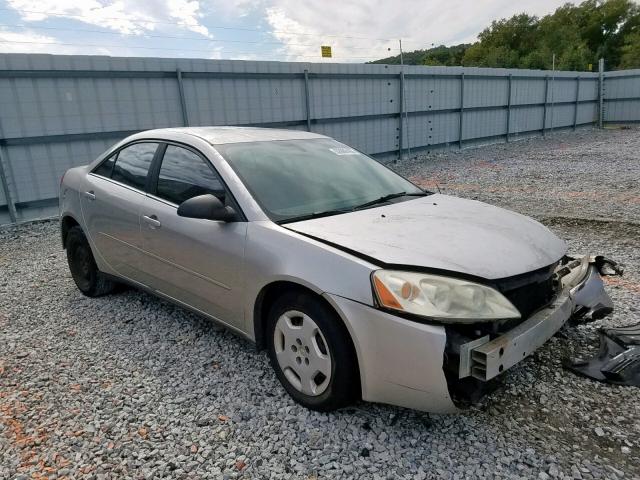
x=403, y=362
x=582, y=292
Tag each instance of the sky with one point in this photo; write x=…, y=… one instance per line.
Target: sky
x=287, y=30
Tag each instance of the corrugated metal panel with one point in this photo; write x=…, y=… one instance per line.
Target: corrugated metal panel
x=588, y=89
x=622, y=87
x=424, y=94
x=332, y=98
x=561, y=115
x=243, y=101
x=527, y=91
x=482, y=92
x=428, y=130
x=97, y=99
x=526, y=119
x=587, y=113
x=622, y=96
x=622, y=111
x=56, y=106
x=484, y=123
x=37, y=169
x=562, y=90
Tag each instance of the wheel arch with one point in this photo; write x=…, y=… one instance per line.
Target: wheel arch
x=66, y=223
x=271, y=292
x=268, y=294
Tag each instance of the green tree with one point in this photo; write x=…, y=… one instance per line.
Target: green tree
x=440, y=55
x=504, y=43
x=631, y=51
x=577, y=35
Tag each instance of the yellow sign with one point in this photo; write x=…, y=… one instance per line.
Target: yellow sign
x=326, y=51
x=590, y=66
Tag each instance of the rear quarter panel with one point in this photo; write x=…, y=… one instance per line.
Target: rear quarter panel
x=69, y=200
x=71, y=188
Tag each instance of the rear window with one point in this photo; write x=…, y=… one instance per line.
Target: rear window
x=106, y=167
x=132, y=164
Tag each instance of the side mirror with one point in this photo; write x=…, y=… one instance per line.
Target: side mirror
x=206, y=207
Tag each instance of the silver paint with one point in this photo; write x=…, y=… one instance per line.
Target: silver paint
x=443, y=232
x=219, y=269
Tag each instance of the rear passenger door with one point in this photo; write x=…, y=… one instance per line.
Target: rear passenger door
x=111, y=200
x=196, y=262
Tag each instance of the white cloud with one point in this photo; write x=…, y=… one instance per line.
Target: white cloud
x=123, y=16
x=302, y=26
x=234, y=9
x=219, y=53
x=30, y=42
x=187, y=13
x=419, y=23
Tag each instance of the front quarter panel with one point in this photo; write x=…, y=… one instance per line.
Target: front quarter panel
x=274, y=253
x=400, y=361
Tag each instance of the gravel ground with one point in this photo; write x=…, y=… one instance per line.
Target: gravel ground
x=128, y=386
x=592, y=174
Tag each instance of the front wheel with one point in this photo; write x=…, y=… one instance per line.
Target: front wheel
x=91, y=281
x=311, y=353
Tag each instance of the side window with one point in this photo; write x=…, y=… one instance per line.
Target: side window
x=184, y=175
x=106, y=167
x=132, y=164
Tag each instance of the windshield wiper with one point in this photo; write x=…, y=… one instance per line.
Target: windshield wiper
x=391, y=196
x=311, y=216
x=329, y=213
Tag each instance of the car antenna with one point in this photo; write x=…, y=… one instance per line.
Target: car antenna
x=438, y=187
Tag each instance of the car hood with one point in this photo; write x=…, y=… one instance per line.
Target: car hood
x=442, y=232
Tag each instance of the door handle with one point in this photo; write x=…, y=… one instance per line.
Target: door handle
x=90, y=195
x=152, y=221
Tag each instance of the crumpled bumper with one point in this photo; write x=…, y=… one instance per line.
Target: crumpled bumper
x=582, y=294
x=403, y=362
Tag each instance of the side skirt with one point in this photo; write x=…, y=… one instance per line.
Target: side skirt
x=175, y=301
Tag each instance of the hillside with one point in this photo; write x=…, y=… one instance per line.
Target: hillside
x=578, y=35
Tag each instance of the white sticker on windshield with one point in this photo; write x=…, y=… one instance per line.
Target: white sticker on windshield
x=344, y=151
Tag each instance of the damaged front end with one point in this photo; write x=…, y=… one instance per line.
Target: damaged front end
x=572, y=288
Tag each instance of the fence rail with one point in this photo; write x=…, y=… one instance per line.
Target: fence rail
x=62, y=111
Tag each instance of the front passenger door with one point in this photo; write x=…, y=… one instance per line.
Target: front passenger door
x=197, y=262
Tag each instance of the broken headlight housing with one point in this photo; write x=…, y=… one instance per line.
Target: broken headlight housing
x=440, y=298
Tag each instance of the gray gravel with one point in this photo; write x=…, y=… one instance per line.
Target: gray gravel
x=586, y=174
x=128, y=386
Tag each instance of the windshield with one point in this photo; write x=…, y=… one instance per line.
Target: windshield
x=296, y=179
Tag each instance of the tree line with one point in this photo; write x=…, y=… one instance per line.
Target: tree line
x=578, y=35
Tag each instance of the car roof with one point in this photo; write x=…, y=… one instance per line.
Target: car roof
x=222, y=135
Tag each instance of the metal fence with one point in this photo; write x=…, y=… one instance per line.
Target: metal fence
x=60, y=111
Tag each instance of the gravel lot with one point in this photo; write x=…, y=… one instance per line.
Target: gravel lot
x=128, y=386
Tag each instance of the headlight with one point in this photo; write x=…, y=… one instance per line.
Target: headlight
x=440, y=297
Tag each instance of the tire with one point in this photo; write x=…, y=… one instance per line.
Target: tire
x=89, y=280
x=311, y=353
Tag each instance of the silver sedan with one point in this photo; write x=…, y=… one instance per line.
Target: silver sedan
x=358, y=283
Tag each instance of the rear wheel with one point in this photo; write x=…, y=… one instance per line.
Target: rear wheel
x=311, y=352
x=82, y=265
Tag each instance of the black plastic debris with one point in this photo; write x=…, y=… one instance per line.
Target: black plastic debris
x=618, y=360
x=608, y=267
